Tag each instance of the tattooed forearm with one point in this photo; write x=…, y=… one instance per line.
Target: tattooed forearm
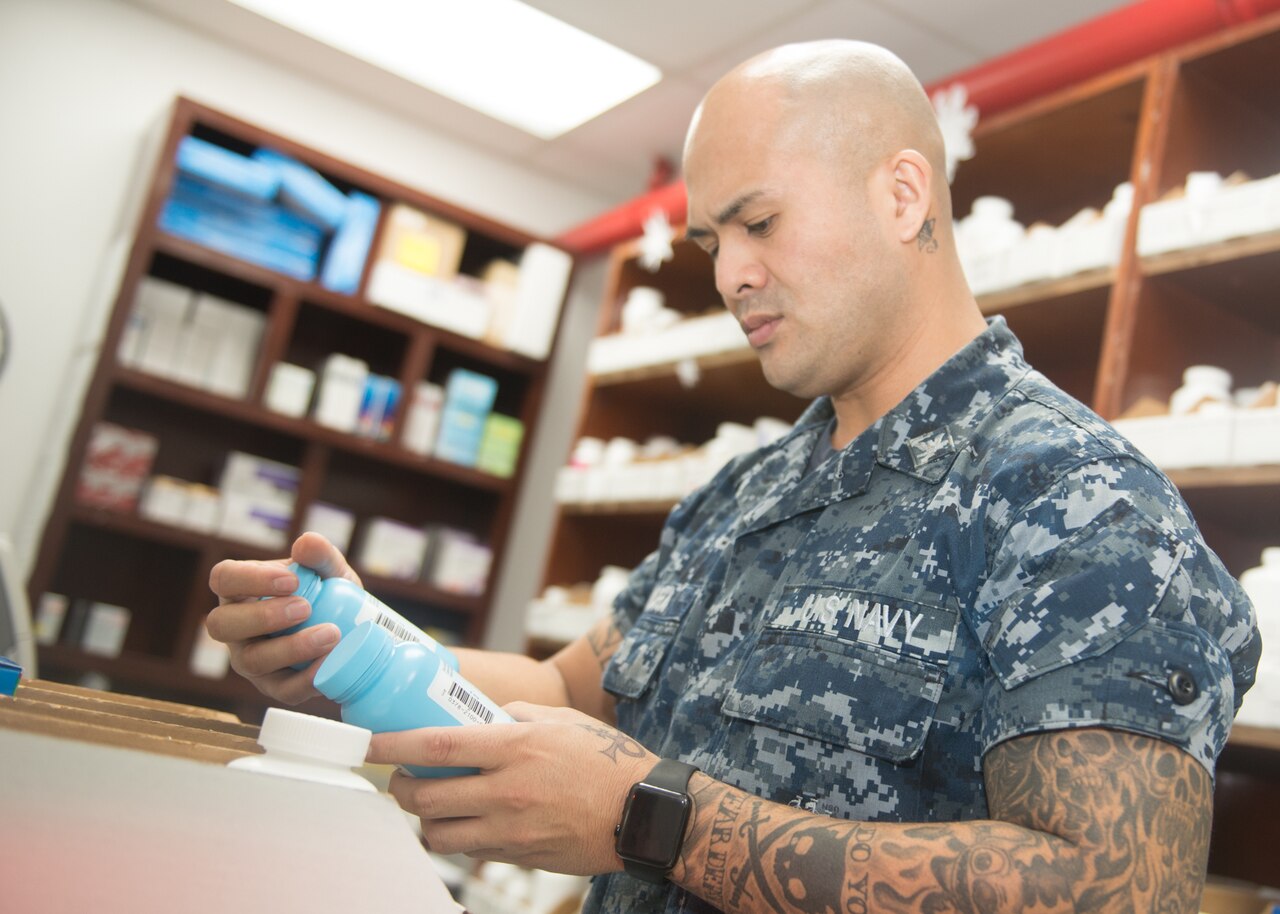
x=1087, y=820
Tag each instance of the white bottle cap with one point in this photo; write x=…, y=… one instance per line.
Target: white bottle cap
x=318, y=738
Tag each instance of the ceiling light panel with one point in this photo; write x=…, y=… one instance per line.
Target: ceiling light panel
x=501, y=57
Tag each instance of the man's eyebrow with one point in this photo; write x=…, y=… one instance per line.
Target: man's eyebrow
x=693, y=232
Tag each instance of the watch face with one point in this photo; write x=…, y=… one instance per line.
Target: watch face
x=652, y=826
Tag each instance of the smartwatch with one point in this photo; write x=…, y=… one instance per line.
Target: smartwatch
x=649, y=837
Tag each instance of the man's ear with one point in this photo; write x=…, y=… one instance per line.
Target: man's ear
x=912, y=194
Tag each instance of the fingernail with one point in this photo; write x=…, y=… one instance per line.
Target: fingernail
x=285, y=584
x=296, y=610
x=325, y=636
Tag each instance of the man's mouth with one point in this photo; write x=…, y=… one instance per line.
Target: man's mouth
x=760, y=328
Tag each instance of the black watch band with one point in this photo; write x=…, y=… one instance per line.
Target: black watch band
x=649, y=837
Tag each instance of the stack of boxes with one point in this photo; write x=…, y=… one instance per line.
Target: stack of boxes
x=271, y=210
x=254, y=502
x=471, y=433
x=192, y=337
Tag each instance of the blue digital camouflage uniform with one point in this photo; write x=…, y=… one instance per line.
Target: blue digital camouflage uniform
x=989, y=559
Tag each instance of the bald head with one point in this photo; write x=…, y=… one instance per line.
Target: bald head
x=854, y=101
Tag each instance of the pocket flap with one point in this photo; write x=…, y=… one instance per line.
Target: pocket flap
x=849, y=695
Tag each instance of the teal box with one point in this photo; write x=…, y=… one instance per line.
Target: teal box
x=468, y=400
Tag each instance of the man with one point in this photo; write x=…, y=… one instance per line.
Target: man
x=950, y=645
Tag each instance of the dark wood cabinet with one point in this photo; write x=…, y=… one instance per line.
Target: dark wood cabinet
x=160, y=572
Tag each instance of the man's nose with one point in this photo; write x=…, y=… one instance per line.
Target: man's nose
x=739, y=272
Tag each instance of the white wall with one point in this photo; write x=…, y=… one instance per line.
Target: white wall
x=80, y=82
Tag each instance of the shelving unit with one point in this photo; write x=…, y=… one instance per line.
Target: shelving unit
x=1109, y=337
x=161, y=572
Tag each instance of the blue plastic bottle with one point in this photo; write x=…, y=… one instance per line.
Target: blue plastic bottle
x=383, y=685
x=347, y=605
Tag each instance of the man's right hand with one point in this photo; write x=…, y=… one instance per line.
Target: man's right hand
x=244, y=621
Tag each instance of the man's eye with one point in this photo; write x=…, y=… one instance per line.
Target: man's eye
x=760, y=228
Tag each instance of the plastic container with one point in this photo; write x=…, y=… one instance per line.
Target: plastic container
x=1202, y=386
x=347, y=605
x=385, y=686
x=308, y=748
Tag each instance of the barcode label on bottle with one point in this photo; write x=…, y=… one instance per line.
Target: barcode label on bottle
x=373, y=610
x=394, y=624
x=462, y=700
x=474, y=705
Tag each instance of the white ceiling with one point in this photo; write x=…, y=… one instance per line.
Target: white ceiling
x=692, y=41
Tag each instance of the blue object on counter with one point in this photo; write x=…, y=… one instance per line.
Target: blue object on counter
x=10, y=674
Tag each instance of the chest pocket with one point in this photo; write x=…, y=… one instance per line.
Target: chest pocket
x=827, y=669
x=633, y=665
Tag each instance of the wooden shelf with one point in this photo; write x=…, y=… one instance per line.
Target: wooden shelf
x=132, y=525
x=670, y=368
x=348, y=305
x=306, y=430
x=1045, y=290
x=1225, y=477
x=1243, y=736
x=1212, y=254
x=161, y=573
x=660, y=506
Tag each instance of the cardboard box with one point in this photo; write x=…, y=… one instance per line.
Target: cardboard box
x=116, y=464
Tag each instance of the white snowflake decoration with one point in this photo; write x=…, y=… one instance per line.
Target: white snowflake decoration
x=655, y=244
x=956, y=118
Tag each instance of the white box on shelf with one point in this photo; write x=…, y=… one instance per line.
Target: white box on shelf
x=269, y=480
x=460, y=563
x=392, y=549
x=1240, y=210
x=105, y=629
x=691, y=338
x=204, y=504
x=422, y=420
x=1183, y=442
x=458, y=303
x=239, y=333
x=155, y=299
x=1257, y=437
x=166, y=314
x=540, y=290
x=1090, y=245
x=50, y=613
x=251, y=519
x=333, y=523
x=1032, y=259
x=289, y=389
x=164, y=500
x=1165, y=225
x=341, y=391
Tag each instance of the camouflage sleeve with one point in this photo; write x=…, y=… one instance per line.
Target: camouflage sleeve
x=1105, y=608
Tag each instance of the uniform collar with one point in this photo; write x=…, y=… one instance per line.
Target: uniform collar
x=933, y=423
x=922, y=435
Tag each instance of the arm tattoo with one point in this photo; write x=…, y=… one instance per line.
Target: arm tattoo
x=925, y=241
x=604, y=639
x=616, y=743
x=1085, y=820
